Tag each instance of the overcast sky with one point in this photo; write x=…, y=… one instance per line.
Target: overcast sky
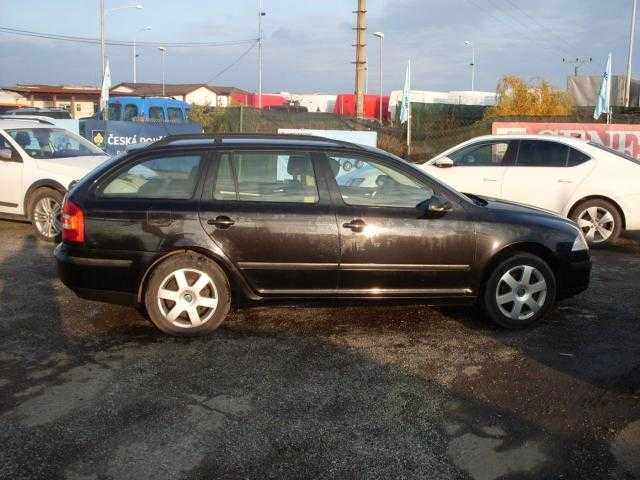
x=308, y=43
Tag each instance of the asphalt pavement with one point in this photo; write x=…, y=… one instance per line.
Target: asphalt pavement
x=93, y=391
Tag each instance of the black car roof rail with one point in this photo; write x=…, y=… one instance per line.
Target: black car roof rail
x=218, y=137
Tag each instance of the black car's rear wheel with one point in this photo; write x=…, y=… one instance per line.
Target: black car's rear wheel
x=519, y=291
x=188, y=294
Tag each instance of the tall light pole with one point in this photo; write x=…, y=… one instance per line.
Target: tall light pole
x=103, y=17
x=135, y=55
x=261, y=14
x=578, y=63
x=473, y=64
x=380, y=35
x=632, y=35
x=163, y=53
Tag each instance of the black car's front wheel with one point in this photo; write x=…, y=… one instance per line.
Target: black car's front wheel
x=519, y=291
x=188, y=294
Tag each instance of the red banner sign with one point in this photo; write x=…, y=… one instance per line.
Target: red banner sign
x=622, y=137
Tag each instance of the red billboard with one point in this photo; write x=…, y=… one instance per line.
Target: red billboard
x=622, y=137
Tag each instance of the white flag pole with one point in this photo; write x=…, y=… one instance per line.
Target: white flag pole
x=610, y=110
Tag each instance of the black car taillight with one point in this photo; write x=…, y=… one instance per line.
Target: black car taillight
x=72, y=222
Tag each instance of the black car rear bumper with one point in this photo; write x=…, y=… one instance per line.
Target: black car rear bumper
x=112, y=280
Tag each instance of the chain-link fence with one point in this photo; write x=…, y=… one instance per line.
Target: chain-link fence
x=435, y=128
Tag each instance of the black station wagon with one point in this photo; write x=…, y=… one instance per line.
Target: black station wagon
x=191, y=224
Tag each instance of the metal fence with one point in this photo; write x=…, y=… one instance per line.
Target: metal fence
x=434, y=127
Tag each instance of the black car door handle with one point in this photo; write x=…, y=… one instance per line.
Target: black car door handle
x=221, y=221
x=357, y=225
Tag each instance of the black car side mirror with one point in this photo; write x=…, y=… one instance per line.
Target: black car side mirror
x=439, y=205
x=435, y=205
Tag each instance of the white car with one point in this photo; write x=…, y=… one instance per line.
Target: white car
x=38, y=162
x=597, y=187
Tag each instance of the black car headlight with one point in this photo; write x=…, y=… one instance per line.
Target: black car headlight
x=580, y=243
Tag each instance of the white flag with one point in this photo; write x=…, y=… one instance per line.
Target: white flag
x=406, y=96
x=603, y=103
x=106, y=86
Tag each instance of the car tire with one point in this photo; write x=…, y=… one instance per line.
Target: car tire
x=598, y=219
x=519, y=291
x=45, y=213
x=187, y=294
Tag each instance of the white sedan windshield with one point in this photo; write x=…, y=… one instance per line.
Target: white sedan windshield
x=52, y=143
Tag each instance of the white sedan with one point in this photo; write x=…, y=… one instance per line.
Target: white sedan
x=597, y=187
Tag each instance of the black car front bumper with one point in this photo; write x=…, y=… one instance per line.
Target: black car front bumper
x=574, y=274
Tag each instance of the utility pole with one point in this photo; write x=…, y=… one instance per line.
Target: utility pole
x=632, y=34
x=577, y=63
x=360, y=57
x=261, y=14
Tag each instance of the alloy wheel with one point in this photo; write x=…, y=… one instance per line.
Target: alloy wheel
x=597, y=224
x=47, y=215
x=187, y=298
x=521, y=292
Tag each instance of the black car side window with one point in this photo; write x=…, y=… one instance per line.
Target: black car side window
x=170, y=177
x=266, y=177
x=368, y=183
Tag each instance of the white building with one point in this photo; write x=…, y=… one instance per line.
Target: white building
x=314, y=102
x=449, y=98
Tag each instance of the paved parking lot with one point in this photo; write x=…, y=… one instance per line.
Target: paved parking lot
x=92, y=391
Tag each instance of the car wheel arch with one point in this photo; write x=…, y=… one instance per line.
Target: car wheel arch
x=577, y=203
x=32, y=190
x=237, y=284
x=520, y=247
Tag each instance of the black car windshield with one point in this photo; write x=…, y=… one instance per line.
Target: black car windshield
x=615, y=152
x=49, y=143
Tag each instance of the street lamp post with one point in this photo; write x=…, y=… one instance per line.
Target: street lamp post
x=135, y=55
x=103, y=16
x=473, y=64
x=163, y=53
x=380, y=35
